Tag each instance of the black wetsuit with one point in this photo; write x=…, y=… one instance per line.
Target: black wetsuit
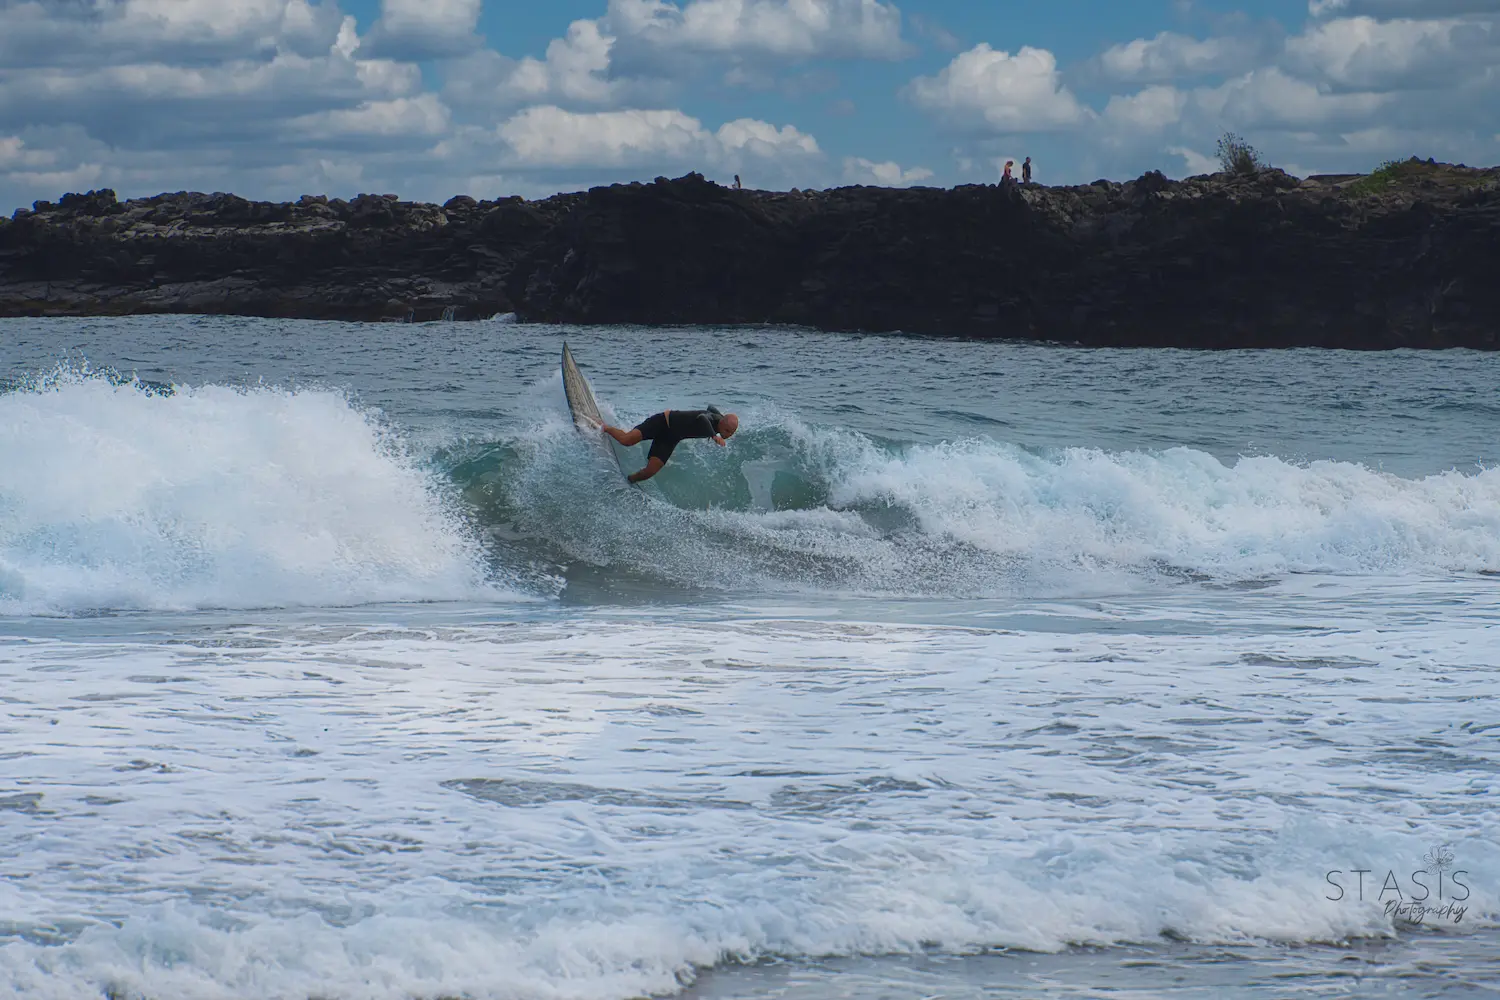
x=665, y=430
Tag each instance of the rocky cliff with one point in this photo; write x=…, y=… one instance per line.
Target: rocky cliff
x=1407, y=257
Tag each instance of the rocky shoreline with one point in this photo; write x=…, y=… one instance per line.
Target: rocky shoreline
x=1407, y=257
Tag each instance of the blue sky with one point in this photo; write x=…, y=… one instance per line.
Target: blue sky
x=429, y=98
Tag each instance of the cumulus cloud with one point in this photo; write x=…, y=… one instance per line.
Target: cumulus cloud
x=423, y=29
x=574, y=70
x=50, y=33
x=405, y=117
x=784, y=29
x=201, y=75
x=1364, y=80
x=277, y=97
x=250, y=95
x=42, y=162
x=1170, y=56
x=750, y=137
x=13, y=153
x=553, y=137
x=1150, y=110
x=1362, y=52
x=268, y=96
x=858, y=170
x=1270, y=98
x=1196, y=162
x=639, y=47
x=992, y=90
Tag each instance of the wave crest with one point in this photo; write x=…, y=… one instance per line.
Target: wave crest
x=117, y=496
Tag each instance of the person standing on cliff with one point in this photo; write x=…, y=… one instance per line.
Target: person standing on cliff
x=1006, y=178
x=667, y=429
x=1026, y=171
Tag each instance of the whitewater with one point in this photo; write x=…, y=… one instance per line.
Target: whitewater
x=334, y=663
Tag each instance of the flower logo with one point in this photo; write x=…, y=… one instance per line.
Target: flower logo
x=1439, y=859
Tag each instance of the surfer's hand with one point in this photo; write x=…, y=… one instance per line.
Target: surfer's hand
x=718, y=440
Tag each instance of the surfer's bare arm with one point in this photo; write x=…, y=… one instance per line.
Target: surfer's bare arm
x=653, y=466
x=627, y=438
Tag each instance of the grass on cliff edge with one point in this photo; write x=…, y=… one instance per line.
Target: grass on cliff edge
x=1383, y=176
x=1395, y=172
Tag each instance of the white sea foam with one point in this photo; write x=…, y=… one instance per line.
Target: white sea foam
x=219, y=497
x=1257, y=515
x=978, y=517
x=211, y=496
x=594, y=809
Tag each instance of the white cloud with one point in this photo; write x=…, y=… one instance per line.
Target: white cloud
x=424, y=29
x=749, y=137
x=785, y=29
x=44, y=162
x=414, y=117
x=14, y=154
x=343, y=173
x=321, y=80
x=858, y=170
x=1364, y=80
x=1270, y=98
x=574, y=71
x=244, y=95
x=227, y=54
x=266, y=96
x=85, y=175
x=994, y=90
x=1362, y=52
x=640, y=44
x=551, y=137
x=1170, y=56
x=1151, y=110
x=37, y=33
x=1196, y=162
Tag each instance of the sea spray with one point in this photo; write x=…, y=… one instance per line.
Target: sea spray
x=792, y=506
x=119, y=496
x=216, y=497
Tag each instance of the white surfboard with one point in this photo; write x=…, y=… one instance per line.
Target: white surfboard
x=584, y=409
x=580, y=396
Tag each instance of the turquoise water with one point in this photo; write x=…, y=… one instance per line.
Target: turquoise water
x=337, y=664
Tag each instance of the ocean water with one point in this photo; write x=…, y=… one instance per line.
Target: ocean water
x=335, y=664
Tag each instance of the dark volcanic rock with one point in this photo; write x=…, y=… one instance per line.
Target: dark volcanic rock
x=1404, y=259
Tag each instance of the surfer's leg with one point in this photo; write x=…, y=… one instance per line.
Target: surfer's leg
x=653, y=466
x=627, y=438
x=661, y=450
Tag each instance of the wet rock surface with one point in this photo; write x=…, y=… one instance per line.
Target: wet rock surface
x=1402, y=259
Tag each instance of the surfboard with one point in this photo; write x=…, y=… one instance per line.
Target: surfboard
x=582, y=406
x=580, y=396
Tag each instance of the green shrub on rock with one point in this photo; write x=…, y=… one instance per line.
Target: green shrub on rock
x=1236, y=156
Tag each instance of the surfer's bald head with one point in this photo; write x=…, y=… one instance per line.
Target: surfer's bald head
x=728, y=424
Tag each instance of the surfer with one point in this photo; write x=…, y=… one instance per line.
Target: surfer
x=665, y=430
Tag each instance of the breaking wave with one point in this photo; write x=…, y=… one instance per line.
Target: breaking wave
x=124, y=495
x=793, y=506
